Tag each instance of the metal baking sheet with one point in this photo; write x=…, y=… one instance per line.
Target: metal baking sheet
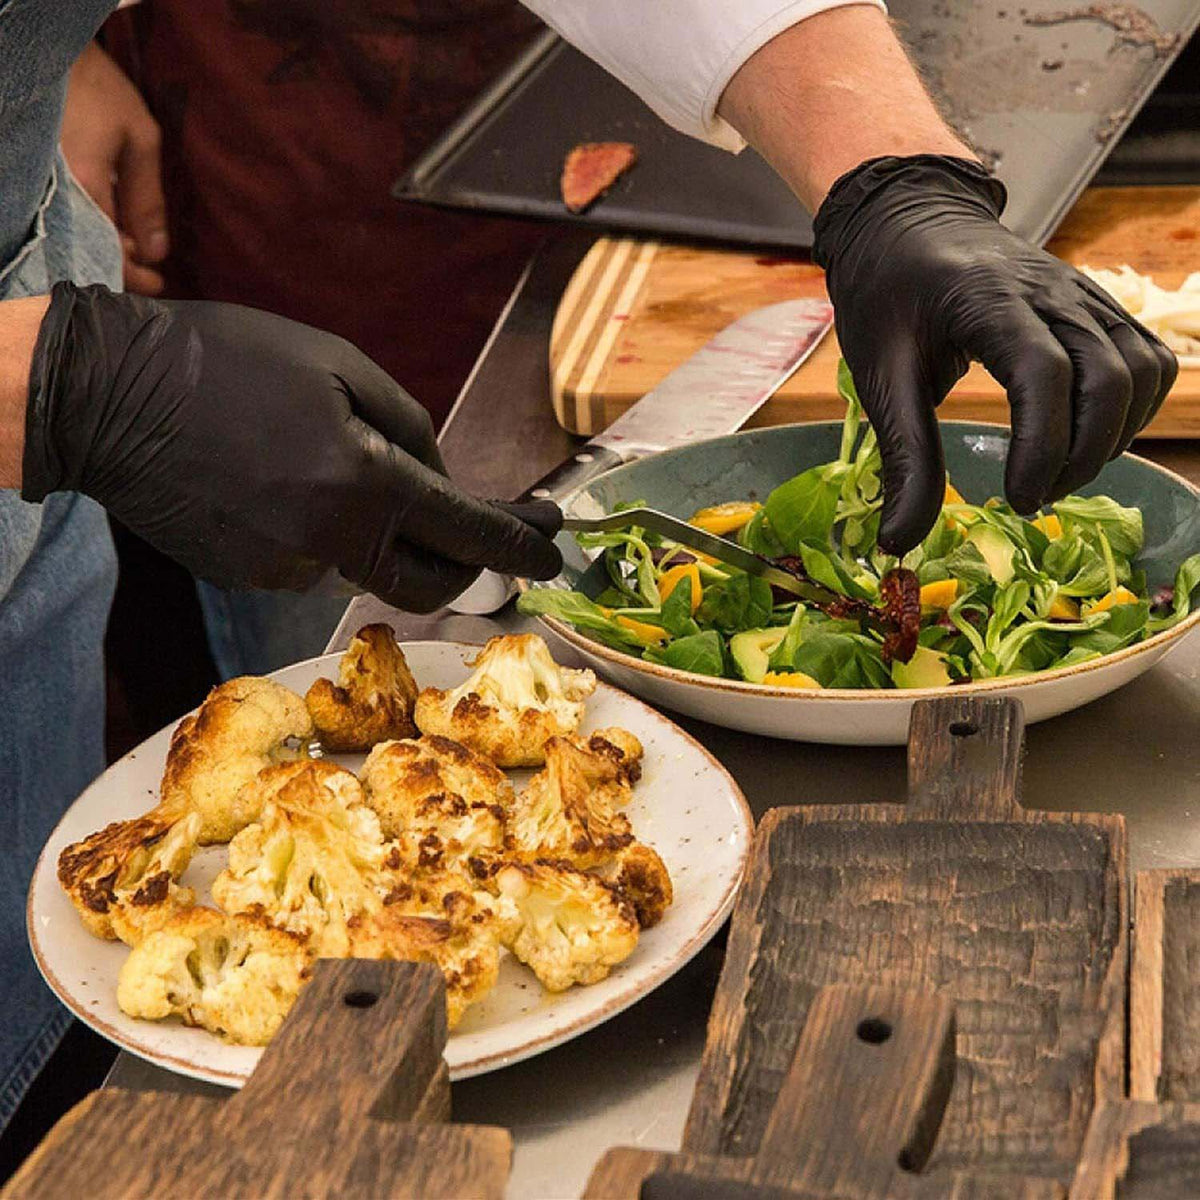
x=1042, y=103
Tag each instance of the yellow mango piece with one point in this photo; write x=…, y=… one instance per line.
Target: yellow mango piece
x=669, y=580
x=1050, y=525
x=1063, y=608
x=1119, y=595
x=953, y=495
x=648, y=634
x=941, y=594
x=789, y=679
x=724, y=518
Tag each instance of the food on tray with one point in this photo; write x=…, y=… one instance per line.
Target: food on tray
x=430, y=857
x=566, y=925
x=1173, y=315
x=591, y=169
x=515, y=699
x=373, y=698
x=124, y=880
x=570, y=809
x=312, y=862
x=245, y=725
x=439, y=795
x=987, y=594
x=235, y=976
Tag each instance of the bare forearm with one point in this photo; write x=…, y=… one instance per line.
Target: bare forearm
x=829, y=93
x=19, y=324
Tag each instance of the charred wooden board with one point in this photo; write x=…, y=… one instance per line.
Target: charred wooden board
x=1020, y=917
x=1164, y=1050
x=857, y=1115
x=342, y=1105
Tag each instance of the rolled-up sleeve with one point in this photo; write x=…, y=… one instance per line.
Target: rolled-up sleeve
x=678, y=55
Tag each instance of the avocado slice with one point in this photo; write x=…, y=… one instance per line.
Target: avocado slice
x=926, y=669
x=751, y=651
x=996, y=549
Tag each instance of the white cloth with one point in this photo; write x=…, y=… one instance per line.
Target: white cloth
x=678, y=55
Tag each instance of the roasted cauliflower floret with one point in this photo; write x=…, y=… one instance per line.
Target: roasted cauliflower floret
x=124, y=880
x=516, y=698
x=568, y=927
x=235, y=976
x=436, y=792
x=570, y=808
x=243, y=726
x=440, y=921
x=639, y=875
x=373, y=698
x=312, y=861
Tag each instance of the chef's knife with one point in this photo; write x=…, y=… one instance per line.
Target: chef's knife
x=714, y=392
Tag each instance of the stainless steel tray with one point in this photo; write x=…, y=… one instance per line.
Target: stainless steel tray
x=1044, y=103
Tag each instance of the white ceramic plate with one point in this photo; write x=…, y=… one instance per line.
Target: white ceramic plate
x=686, y=806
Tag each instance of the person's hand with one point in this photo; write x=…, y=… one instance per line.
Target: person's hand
x=111, y=143
x=924, y=279
x=255, y=451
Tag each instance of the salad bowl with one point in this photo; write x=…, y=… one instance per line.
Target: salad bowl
x=749, y=465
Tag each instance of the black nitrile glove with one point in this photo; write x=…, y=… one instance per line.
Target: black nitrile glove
x=255, y=451
x=924, y=279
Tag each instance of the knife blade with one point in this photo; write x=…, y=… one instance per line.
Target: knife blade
x=712, y=393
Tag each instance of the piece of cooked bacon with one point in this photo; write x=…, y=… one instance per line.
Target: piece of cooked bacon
x=901, y=594
x=591, y=169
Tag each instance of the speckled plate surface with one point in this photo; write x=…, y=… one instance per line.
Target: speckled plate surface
x=750, y=464
x=686, y=806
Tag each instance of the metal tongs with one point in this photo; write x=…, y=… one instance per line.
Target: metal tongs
x=722, y=549
x=899, y=641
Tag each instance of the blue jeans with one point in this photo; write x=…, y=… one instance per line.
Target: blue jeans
x=57, y=567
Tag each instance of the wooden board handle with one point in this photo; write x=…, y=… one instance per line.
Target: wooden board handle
x=964, y=758
x=365, y=1039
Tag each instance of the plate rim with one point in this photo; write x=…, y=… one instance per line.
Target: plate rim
x=1159, y=641
x=481, y=1064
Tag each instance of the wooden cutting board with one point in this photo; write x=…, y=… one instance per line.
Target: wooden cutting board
x=349, y=1101
x=634, y=310
x=1018, y=917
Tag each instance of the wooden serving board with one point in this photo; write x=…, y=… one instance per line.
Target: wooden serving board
x=635, y=310
x=349, y=1100
x=1018, y=917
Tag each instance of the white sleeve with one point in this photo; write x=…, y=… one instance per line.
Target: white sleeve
x=678, y=55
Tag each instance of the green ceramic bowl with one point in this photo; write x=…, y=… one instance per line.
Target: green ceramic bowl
x=750, y=464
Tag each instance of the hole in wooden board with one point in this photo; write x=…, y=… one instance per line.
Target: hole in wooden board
x=360, y=999
x=963, y=729
x=906, y=1162
x=874, y=1031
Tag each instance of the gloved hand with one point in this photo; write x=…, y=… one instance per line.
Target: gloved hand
x=924, y=279
x=255, y=451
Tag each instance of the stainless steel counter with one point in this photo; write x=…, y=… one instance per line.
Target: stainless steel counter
x=629, y=1081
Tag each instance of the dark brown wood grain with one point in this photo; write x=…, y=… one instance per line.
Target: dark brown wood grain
x=338, y=1107
x=856, y=1116
x=1021, y=917
x=1165, y=1039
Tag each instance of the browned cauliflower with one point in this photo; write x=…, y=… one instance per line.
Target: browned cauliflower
x=373, y=698
x=235, y=976
x=437, y=917
x=640, y=876
x=516, y=698
x=569, y=809
x=124, y=880
x=437, y=793
x=567, y=926
x=245, y=725
x=312, y=861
